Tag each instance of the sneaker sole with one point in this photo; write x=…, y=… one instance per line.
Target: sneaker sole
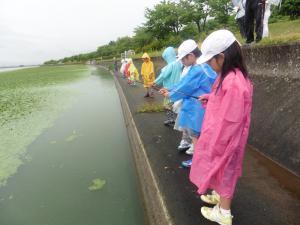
x=188, y=153
x=208, y=202
x=185, y=166
x=182, y=149
x=203, y=212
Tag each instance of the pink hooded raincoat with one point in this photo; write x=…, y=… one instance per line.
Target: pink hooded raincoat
x=219, y=153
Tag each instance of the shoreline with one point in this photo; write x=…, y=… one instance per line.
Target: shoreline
x=156, y=144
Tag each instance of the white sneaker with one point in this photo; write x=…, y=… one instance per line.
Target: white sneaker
x=181, y=143
x=184, y=145
x=213, y=198
x=190, y=151
x=214, y=214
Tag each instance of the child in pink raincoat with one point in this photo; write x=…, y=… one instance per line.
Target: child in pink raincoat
x=219, y=152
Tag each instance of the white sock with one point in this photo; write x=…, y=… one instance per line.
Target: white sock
x=225, y=212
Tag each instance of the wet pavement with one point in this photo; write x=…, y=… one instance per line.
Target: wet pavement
x=260, y=199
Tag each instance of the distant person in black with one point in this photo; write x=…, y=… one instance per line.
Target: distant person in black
x=115, y=65
x=254, y=11
x=240, y=15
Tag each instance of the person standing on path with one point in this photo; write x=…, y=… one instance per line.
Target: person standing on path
x=267, y=15
x=148, y=74
x=122, y=69
x=219, y=152
x=240, y=15
x=168, y=77
x=133, y=73
x=254, y=11
x=186, y=141
x=195, y=83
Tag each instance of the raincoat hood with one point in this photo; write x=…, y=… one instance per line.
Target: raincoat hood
x=169, y=55
x=146, y=56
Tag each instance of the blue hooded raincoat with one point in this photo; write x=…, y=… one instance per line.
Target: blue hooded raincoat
x=170, y=74
x=197, y=82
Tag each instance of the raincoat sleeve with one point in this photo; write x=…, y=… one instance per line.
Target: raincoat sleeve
x=232, y=104
x=151, y=73
x=232, y=115
x=137, y=75
x=165, y=72
x=147, y=70
x=189, y=85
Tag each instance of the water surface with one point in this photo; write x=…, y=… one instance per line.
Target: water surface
x=88, y=141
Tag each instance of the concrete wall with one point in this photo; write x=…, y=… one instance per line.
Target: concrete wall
x=275, y=128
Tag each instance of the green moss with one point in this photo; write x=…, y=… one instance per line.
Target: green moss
x=97, y=184
x=151, y=108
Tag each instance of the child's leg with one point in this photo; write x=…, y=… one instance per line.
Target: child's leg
x=186, y=140
x=225, y=203
x=194, y=140
x=151, y=91
x=186, y=137
x=147, y=92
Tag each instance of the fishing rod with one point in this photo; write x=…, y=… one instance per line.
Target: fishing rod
x=157, y=88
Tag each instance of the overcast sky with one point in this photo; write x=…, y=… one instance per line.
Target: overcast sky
x=33, y=31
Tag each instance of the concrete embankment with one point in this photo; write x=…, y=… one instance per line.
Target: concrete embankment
x=275, y=128
x=169, y=196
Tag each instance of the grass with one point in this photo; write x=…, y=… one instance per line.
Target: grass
x=283, y=32
x=30, y=100
x=151, y=108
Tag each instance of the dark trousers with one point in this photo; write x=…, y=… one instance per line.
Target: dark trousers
x=241, y=23
x=254, y=11
x=170, y=114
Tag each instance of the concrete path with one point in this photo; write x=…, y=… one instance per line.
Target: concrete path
x=260, y=199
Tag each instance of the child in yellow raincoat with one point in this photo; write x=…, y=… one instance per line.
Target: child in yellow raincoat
x=133, y=73
x=148, y=74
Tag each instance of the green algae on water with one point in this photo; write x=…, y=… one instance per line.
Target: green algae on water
x=97, y=184
x=30, y=101
x=73, y=136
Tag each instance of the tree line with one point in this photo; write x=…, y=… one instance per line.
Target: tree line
x=170, y=22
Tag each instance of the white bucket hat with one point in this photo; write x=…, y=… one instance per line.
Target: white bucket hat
x=215, y=43
x=185, y=48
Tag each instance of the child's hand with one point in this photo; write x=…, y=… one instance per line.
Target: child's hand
x=153, y=85
x=203, y=99
x=164, y=92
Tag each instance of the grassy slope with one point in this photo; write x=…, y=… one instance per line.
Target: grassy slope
x=280, y=32
x=283, y=32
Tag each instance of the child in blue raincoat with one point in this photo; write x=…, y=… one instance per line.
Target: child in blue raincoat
x=197, y=82
x=169, y=76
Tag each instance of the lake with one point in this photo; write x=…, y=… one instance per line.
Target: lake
x=65, y=157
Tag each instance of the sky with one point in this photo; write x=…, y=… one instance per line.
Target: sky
x=34, y=31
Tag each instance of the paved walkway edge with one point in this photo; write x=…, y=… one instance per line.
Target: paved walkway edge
x=154, y=203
